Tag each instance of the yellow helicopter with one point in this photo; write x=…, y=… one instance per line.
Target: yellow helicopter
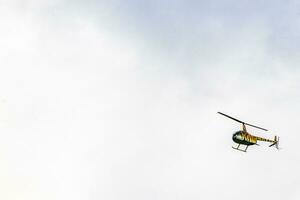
x=242, y=137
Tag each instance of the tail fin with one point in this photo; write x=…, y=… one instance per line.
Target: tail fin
x=276, y=142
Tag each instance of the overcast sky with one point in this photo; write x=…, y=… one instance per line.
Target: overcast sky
x=118, y=99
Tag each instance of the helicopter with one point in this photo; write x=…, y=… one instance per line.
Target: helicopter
x=243, y=137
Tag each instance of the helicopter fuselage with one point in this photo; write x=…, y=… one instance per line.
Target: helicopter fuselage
x=242, y=137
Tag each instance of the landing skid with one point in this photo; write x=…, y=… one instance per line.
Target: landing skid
x=243, y=150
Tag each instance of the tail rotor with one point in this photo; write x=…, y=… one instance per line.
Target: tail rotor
x=275, y=143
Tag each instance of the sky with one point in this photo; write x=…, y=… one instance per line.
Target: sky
x=119, y=99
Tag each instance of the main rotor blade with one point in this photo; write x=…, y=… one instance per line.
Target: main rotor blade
x=256, y=127
x=242, y=121
x=231, y=118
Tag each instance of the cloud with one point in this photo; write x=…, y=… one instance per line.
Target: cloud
x=122, y=104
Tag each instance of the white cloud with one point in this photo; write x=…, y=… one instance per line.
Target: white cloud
x=88, y=112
